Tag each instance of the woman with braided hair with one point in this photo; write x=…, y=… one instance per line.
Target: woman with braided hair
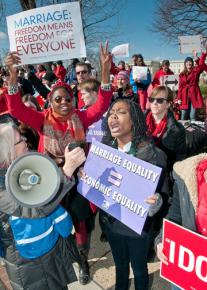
x=61, y=124
x=126, y=131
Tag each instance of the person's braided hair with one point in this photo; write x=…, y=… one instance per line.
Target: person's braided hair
x=139, y=127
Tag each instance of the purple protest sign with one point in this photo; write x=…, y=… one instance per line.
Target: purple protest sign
x=119, y=183
x=95, y=131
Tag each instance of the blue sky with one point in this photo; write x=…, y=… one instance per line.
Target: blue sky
x=133, y=24
x=135, y=20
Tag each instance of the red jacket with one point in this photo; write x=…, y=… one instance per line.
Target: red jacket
x=115, y=69
x=36, y=120
x=3, y=102
x=41, y=74
x=189, y=90
x=201, y=60
x=201, y=216
x=158, y=75
x=81, y=103
x=60, y=73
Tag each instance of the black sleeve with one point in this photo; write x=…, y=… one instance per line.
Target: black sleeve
x=27, y=87
x=38, y=85
x=174, y=213
x=181, y=148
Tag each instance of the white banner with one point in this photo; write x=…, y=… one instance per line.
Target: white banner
x=47, y=34
x=190, y=43
x=121, y=50
x=139, y=72
x=171, y=81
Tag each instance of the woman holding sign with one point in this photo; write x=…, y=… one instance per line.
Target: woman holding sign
x=126, y=131
x=139, y=80
x=61, y=124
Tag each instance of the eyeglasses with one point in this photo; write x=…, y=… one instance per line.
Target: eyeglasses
x=158, y=100
x=83, y=72
x=22, y=139
x=58, y=99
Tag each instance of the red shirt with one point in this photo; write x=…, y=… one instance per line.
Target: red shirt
x=60, y=73
x=3, y=101
x=36, y=120
x=158, y=75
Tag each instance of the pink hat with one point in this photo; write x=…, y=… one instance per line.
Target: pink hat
x=123, y=75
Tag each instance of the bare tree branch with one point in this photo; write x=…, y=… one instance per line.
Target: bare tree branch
x=94, y=13
x=173, y=18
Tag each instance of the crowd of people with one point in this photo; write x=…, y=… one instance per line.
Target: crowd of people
x=45, y=108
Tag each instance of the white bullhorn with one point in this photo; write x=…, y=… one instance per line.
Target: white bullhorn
x=33, y=179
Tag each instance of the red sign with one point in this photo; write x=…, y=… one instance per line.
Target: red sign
x=187, y=257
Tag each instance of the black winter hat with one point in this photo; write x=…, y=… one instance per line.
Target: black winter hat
x=189, y=59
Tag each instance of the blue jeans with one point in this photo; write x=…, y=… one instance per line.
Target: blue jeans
x=190, y=113
x=126, y=249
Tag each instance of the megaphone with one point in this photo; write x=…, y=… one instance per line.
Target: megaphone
x=33, y=179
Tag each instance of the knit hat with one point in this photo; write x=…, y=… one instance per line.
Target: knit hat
x=123, y=75
x=189, y=59
x=58, y=85
x=49, y=76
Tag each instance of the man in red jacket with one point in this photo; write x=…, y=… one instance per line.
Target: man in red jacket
x=163, y=71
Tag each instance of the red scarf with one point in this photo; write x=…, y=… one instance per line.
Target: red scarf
x=157, y=130
x=59, y=131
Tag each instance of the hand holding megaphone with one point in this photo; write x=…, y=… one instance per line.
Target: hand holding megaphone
x=73, y=159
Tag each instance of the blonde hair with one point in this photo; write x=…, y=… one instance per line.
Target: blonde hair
x=7, y=137
x=168, y=92
x=90, y=85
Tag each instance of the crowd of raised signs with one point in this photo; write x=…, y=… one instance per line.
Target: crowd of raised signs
x=48, y=108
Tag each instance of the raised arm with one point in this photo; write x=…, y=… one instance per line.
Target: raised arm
x=202, y=58
x=96, y=111
x=16, y=107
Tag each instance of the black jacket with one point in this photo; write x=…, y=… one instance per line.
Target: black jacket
x=26, y=86
x=120, y=94
x=38, y=85
x=173, y=142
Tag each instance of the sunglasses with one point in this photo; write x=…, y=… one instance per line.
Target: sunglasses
x=158, y=100
x=83, y=72
x=58, y=99
x=23, y=139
